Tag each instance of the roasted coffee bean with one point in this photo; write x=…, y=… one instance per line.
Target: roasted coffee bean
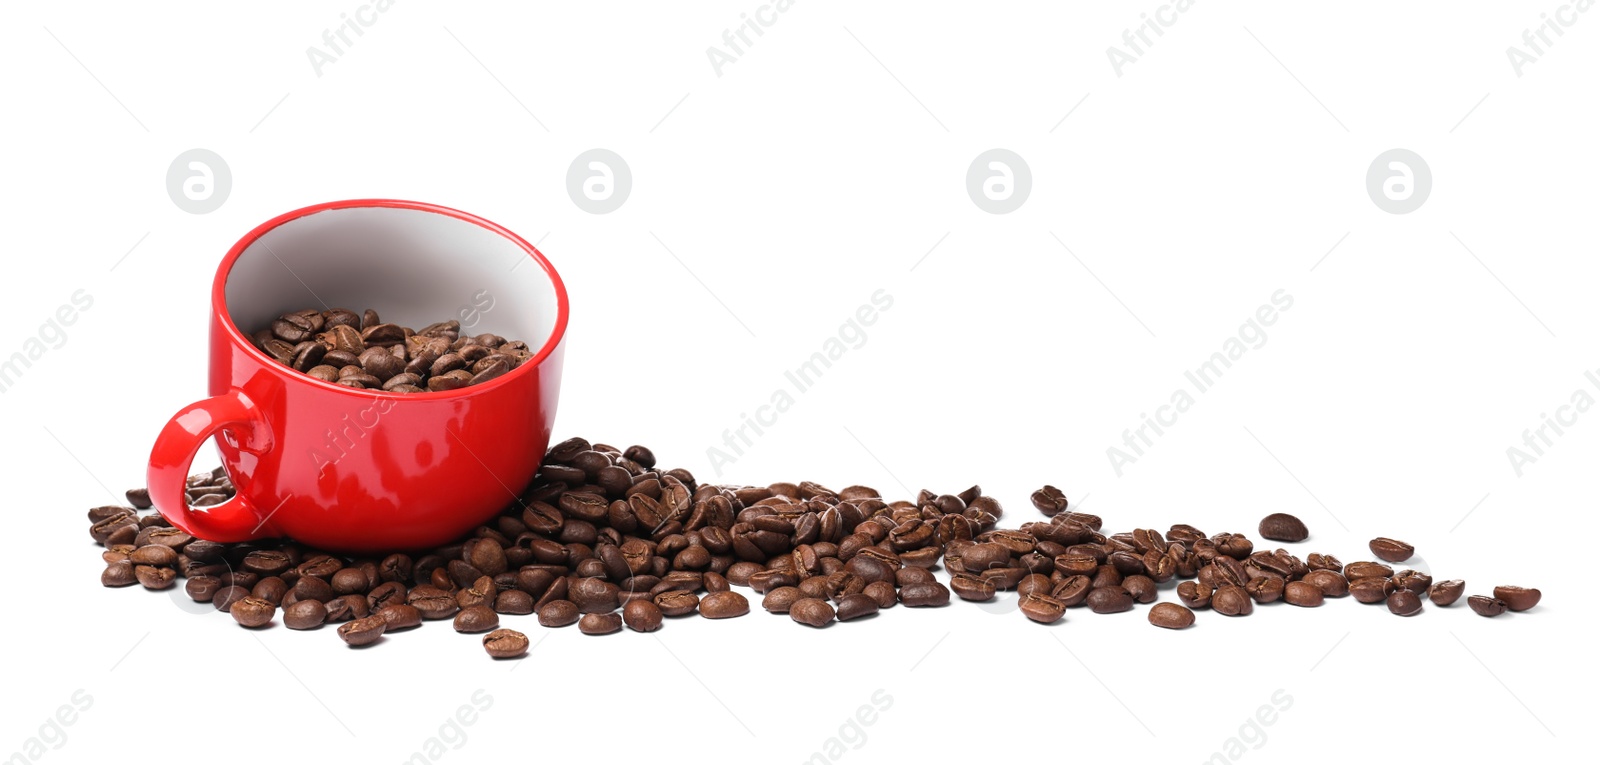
x=252, y=612
x=968, y=587
x=505, y=644
x=399, y=616
x=364, y=631
x=924, y=595
x=271, y=589
x=1446, y=592
x=1483, y=605
x=1109, y=599
x=600, y=624
x=432, y=602
x=677, y=602
x=723, y=605
x=780, y=599
x=1318, y=561
x=477, y=619
x=1049, y=500
x=118, y=574
x=1366, y=570
x=1391, y=550
x=202, y=588
x=642, y=616
x=1303, y=594
x=1171, y=616
x=1265, y=589
x=227, y=596
x=514, y=602
x=812, y=612
x=1141, y=587
x=1515, y=598
x=1232, y=600
x=855, y=606
x=1332, y=583
x=1283, y=527
x=1371, y=589
x=1194, y=595
x=1073, y=590
x=155, y=577
x=1041, y=608
x=558, y=613
x=1404, y=603
x=304, y=615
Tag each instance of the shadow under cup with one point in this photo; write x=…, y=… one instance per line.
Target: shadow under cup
x=363, y=470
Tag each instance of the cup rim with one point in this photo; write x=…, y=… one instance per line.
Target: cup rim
x=219, y=298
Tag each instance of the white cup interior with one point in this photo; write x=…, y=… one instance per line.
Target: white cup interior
x=414, y=267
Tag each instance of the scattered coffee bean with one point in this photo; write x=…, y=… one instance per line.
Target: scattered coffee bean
x=812, y=612
x=1392, y=550
x=558, y=613
x=724, y=605
x=1109, y=600
x=477, y=619
x=1232, y=600
x=1404, y=603
x=1303, y=594
x=1041, y=608
x=505, y=644
x=1171, y=616
x=642, y=616
x=252, y=612
x=600, y=624
x=1446, y=592
x=856, y=605
x=1483, y=605
x=365, y=631
x=304, y=615
x=1283, y=527
x=1516, y=598
x=1050, y=500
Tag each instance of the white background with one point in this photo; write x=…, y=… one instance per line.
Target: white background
x=1227, y=163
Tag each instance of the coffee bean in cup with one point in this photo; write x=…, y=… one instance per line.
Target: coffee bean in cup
x=360, y=351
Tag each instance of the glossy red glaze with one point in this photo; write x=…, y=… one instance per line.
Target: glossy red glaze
x=351, y=470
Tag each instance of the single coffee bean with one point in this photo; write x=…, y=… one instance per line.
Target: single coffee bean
x=883, y=593
x=227, y=595
x=1332, y=583
x=505, y=644
x=924, y=595
x=1171, y=616
x=514, y=602
x=1049, y=500
x=399, y=616
x=139, y=498
x=1265, y=589
x=677, y=602
x=600, y=624
x=155, y=577
x=1371, y=590
x=252, y=612
x=1392, y=550
x=1041, y=608
x=968, y=587
x=855, y=606
x=1414, y=581
x=1404, y=603
x=1303, y=594
x=477, y=619
x=118, y=574
x=558, y=613
x=812, y=612
x=641, y=616
x=1483, y=605
x=1232, y=600
x=304, y=615
x=1367, y=570
x=779, y=600
x=1194, y=595
x=153, y=555
x=1446, y=592
x=1109, y=600
x=1283, y=527
x=1141, y=587
x=723, y=605
x=364, y=631
x=1516, y=598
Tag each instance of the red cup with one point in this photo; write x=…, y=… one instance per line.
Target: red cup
x=359, y=470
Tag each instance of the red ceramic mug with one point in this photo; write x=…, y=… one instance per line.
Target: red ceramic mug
x=360, y=470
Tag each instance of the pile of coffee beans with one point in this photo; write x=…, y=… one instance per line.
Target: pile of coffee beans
x=361, y=351
x=605, y=539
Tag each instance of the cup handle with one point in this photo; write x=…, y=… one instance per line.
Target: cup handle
x=239, y=420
